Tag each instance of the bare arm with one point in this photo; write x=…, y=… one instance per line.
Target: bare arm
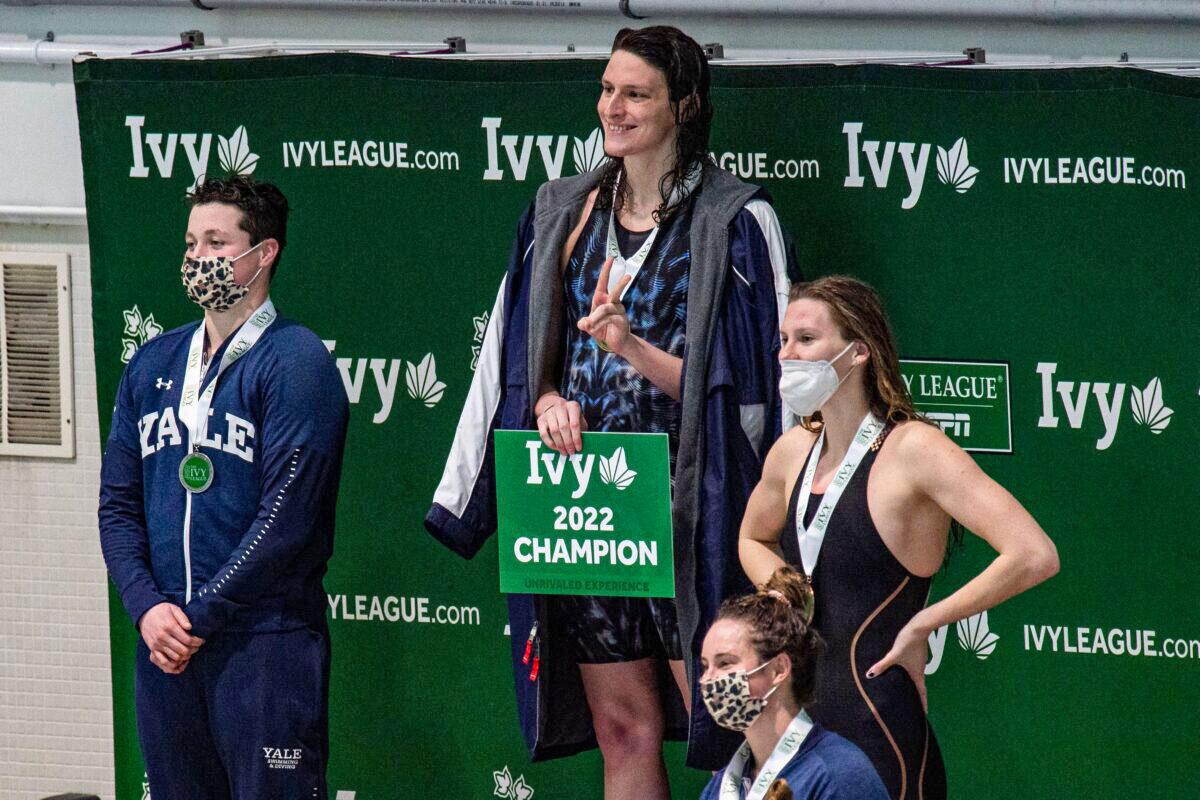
x=658, y=366
x=941, y=471
x=766, y=512
x=1025, y=555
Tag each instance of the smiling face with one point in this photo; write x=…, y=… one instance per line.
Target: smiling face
x=727, y=649
x=635, y=108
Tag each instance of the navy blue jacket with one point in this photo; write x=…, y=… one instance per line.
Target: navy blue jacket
x=254, y=550
x=826, y=767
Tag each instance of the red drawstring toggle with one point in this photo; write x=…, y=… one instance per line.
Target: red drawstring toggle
x=537, y=662
x=529, y=643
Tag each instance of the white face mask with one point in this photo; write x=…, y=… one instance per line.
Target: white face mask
x=807, y=385
x=729, y=701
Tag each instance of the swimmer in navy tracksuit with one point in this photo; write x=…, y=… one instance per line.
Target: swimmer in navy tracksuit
x=223, y=576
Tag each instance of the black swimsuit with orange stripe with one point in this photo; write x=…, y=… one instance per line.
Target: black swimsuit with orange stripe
x=864, y=596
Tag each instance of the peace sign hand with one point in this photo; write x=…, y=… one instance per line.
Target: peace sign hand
x=607, y=323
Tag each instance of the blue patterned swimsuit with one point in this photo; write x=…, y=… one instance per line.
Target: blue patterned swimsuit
x=613, y=395
x=616, y=397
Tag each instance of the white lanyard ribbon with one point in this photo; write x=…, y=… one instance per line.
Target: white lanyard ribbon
x=194, y=404
x=789, y=743
x=813, y=536
x=632, y=266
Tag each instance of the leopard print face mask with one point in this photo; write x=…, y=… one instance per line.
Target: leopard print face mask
x=729, y=702
x=209, y=280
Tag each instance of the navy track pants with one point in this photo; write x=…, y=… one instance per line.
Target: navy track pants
x=248, y=719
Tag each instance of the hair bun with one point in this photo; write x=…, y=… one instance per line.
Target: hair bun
x=789, y=585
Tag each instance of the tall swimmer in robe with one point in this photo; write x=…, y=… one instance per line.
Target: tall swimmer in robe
x=867, y=517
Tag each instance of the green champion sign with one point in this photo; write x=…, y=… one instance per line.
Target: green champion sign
x=597, y=523
x=969, y=400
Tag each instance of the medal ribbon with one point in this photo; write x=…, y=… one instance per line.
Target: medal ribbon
x=632, y=266
x=795, y=734
x=811, y=538
x=194, y=404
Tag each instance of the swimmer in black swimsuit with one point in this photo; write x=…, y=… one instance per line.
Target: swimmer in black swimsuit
x=878, y=488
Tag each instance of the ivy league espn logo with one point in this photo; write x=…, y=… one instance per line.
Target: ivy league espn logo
x=165, y=148
x=551, y=150
x=969, y=400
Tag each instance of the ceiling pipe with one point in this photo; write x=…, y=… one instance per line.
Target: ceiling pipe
x=48, y=53
x=43, y=215
x=1041, y=11
x=1037, y=11
x=573, y=7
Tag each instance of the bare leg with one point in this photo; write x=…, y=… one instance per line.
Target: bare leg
x=627, y=715
x=681, y=681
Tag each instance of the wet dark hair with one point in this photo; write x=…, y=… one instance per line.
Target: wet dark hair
x=681, y=61
x=264, y=208
x=777, y=625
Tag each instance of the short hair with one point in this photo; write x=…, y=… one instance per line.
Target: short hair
x=264, y=208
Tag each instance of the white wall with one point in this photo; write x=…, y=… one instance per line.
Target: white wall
x=55, y=702
x=55, y=711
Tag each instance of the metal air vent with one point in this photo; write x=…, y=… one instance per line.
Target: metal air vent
x=36, y=387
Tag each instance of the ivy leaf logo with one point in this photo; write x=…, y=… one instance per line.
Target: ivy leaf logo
x=974, y=636
x=138, y=330
x=133, y=321
x=1148, y=408
x=589, y=153
x=422, y=381
x=521, y=790
x=954, y=168
x=481, y=323
x=150, y=329
x=234, y=153
x=615, y=472
x=503, y=783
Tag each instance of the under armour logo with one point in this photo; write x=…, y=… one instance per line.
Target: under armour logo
x=161, y=384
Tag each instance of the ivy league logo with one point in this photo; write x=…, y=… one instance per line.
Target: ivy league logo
x=138, y=331
x=587, y=153
x=1107, y=398
x=163, y=147
x=614, y=471
x=953, y=165
x=974, y=637
x=508, y=788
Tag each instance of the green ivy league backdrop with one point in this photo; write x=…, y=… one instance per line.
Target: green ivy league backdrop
x=1096, y=283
